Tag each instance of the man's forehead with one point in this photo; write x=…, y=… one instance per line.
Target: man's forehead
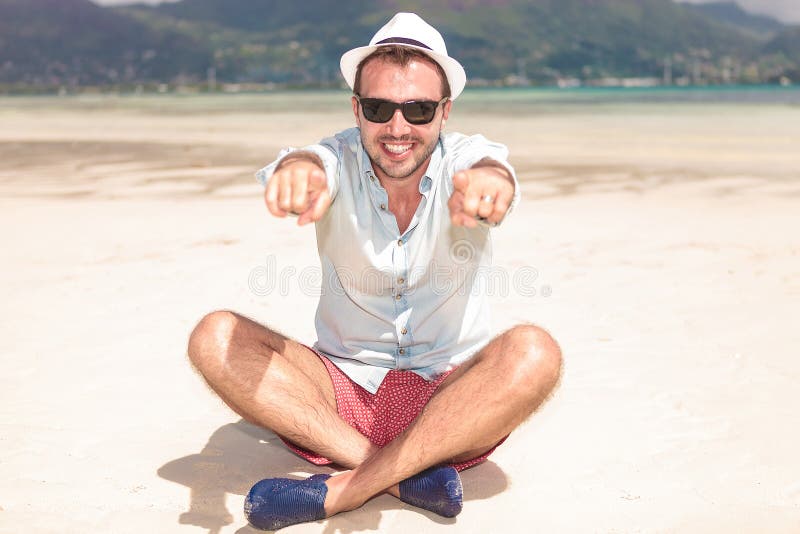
x=419, y=74
x=418, y=64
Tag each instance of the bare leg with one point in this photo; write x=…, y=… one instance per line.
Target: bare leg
x=475, y=407
x=277, y=383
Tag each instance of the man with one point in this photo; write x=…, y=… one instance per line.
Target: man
x=404, y=386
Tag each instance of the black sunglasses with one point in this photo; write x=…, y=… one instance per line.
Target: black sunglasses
x=414, y=111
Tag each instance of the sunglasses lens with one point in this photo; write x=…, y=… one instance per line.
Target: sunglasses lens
x=419, y=112
x=377, y=110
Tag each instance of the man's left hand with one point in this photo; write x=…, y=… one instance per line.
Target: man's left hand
x=482, y=193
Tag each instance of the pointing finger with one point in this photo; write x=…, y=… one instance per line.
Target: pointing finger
x=461, y=181
x=299, y=194
x=285, y=192
x=317, y=180
x=271, y=196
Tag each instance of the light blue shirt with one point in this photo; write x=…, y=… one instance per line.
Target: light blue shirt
x=415, y=300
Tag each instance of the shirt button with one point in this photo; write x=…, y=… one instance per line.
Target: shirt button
x=383, y=206
x=399, y=242
x=404, y=331
x=401, y=280
x=402, y=351
x=398, y=296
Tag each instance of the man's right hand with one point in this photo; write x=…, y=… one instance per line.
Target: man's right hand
x=298, y=187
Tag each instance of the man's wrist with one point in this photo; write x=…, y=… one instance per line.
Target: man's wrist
x=300, y=155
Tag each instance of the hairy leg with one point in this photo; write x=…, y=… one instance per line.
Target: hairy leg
x=478, y=404
x=275, y=382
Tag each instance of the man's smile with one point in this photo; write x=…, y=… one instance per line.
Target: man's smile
x=397, y=149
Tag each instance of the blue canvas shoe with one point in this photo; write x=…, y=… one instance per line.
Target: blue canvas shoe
x=276, y=503
x=437, y=489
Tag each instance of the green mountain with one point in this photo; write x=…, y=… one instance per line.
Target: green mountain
x=541, y=40
x=787, y=42
x=267, y=40
x=589, y=39
x=74, y=42
x=784, y=48
x=730, y=13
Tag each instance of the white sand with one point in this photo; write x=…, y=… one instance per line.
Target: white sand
x=668, y=257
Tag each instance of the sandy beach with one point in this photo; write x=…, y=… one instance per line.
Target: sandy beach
x=658, y=243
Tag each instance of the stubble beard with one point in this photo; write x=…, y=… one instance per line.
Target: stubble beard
x=376, y=156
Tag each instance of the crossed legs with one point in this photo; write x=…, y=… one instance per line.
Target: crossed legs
x=279, y=384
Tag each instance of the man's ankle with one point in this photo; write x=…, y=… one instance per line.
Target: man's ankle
x=340, y=495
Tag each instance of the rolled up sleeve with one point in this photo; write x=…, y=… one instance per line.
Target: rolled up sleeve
x=466, y=151
x=328, y=150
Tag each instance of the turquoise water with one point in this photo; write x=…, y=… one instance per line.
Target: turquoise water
x=477, y=100
x=593, y=95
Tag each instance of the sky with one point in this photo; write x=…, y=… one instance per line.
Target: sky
x=787, y=11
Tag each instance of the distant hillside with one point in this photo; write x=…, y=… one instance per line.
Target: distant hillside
x=589, y=39
x=268, y=40
x=74, y=42
x=268, y=15
x=730, y=13
x=786, y=43
x=540, y=40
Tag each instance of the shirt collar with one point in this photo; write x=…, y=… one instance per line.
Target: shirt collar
x=434, y=169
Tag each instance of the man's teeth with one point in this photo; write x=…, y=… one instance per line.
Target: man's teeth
x=397, y=149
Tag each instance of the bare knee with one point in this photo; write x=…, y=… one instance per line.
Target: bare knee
x=211, y=337
x=537, y=357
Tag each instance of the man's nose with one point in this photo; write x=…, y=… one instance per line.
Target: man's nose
x=398, y=125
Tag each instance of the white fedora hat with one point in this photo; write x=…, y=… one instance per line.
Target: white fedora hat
x=408, y=29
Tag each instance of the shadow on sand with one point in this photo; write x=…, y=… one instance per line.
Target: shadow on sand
x=239, y=454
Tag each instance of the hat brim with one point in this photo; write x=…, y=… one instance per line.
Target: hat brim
x=456, y=76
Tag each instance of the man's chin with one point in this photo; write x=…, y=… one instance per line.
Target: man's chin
x=397, y=172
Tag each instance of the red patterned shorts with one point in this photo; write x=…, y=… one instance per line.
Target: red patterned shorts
x=383, y=416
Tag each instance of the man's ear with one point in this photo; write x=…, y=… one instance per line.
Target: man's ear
x=354, y=101
x=446, y=111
